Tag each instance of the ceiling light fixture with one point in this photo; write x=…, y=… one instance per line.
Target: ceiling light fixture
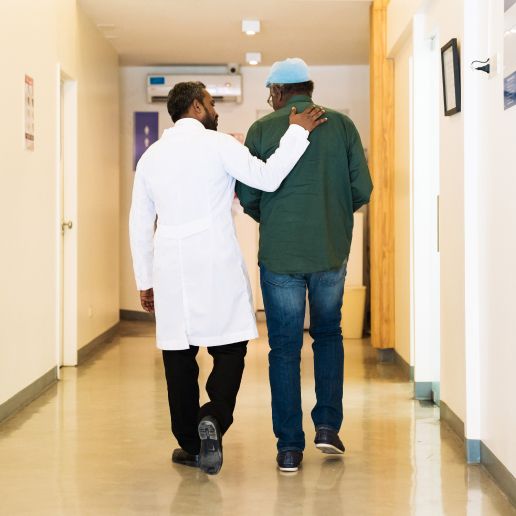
x=253, y=58
x=251, y=27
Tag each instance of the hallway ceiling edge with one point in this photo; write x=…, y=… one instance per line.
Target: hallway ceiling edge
x=150, y=32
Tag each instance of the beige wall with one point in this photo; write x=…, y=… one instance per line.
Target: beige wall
x=98, y=184
x=339, y=87
x=402, y=193
x=27, y=197
x=29, y=44
x=447, y=18
x=399, y=23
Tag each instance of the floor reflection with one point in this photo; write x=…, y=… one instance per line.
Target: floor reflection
x=100, y=444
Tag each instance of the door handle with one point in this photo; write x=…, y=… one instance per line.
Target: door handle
x=65, y=225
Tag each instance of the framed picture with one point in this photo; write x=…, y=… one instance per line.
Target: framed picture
x=451, y=77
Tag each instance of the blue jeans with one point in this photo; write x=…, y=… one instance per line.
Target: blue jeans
x=284, y=297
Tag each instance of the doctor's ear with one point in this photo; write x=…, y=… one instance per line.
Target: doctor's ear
x=197, y=106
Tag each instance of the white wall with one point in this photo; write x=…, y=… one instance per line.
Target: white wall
x=338, y=87
x=497, y=251
x=29, y=44
x=477, y=226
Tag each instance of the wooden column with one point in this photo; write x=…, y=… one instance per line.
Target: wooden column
x=382, y=170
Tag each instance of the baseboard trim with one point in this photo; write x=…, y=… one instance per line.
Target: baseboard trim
x=28, y=394
x=87, y=351
x=477, y=452
x=473, y=455
x=408, y=371
x=501, y=475
x=385, y=355
x=134, y=315
x=423, y=391
x=452, y=420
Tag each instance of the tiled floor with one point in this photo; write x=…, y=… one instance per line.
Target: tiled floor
x=99, y=444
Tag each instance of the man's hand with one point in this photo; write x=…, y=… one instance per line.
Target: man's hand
x=309, y=119
x=147, y=300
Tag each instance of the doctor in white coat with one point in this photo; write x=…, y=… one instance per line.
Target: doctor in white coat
x=190, y=270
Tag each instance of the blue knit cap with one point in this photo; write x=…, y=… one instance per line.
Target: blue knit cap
x=291, y=71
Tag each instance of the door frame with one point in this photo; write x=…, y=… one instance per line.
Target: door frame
x=66, y=208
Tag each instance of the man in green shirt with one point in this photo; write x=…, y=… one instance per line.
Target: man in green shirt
x=305, y=238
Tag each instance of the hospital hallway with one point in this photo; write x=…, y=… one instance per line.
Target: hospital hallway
x=98, y=443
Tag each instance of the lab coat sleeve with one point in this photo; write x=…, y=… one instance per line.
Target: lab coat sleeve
x=250, y=198
x=242, y=165
x=360, y=178
x=141, y=231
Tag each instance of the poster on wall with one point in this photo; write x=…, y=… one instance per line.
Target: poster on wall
x=29, y=113
x=146, y=127
x=509, y=75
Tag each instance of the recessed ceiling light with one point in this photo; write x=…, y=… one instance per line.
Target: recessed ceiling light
x=251, y=27
x=253, y=58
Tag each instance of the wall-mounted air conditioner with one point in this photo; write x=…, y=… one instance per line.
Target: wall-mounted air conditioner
x=223, y=88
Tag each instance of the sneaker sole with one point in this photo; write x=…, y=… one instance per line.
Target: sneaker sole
x=210, y=460
x=329, y=449
x=288, y=470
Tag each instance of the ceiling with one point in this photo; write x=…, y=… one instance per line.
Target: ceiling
x=160, y=32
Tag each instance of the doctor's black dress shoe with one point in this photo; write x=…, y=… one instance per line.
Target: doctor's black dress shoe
x=180, y=456
x=210, y=457
x=327, y=440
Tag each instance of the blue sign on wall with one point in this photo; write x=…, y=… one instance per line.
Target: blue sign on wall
x=146, y=127
x=509, y=91
x=509, y=82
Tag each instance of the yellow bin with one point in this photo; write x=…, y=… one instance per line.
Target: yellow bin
x=353, y=311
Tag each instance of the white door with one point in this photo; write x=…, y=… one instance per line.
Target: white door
x=425, y=212
x=66, y=222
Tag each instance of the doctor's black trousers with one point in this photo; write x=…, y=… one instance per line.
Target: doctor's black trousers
x=182, y=373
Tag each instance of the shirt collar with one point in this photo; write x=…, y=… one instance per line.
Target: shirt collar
x=298, y=98
x=189, y=124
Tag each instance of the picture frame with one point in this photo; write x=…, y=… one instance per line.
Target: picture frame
x=450, y=62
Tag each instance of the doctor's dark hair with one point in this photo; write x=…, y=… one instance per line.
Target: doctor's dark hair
x=181, y=96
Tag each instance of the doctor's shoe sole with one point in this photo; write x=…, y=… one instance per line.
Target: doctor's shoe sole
x=210, y=457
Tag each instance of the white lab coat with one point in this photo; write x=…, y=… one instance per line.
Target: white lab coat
x=202, y=295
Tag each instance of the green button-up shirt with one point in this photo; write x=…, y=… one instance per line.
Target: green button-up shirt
x=306, y=225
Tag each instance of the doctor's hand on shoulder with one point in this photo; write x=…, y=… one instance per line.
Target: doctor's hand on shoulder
x=147, y=300
x=309, y=119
